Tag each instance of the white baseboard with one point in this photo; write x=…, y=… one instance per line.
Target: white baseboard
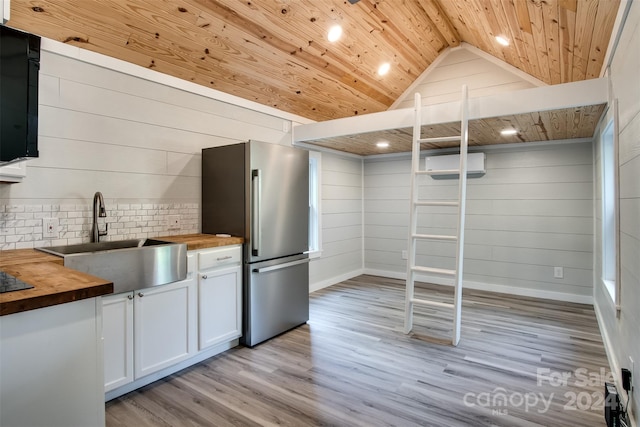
x=141, y=382
x=613, y=359
x=333, y=280
x=491, y=287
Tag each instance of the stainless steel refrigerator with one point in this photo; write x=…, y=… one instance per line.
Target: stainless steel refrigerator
x=260, y=191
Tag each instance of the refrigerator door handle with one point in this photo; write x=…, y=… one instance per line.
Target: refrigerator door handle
x=256, y=194
x=281, y=266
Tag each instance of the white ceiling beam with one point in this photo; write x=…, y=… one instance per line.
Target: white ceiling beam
x=545, y=98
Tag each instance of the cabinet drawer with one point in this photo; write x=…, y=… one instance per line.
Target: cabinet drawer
x=219, y=257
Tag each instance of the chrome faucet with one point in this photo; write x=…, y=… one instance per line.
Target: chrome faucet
x=98, y=211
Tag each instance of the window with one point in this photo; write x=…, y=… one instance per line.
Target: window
x=315, y=197
x=609, y=210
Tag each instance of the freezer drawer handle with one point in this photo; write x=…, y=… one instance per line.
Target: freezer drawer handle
x=280, y=266
x=257, y=200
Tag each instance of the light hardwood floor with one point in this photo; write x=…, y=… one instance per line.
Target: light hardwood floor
x=352, y=365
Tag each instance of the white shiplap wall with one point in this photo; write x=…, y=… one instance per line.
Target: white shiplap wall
x=138, y=141
x=465, y=65
x=532, y=211
x=135, y=140
x=342, y=254
x=620, y=334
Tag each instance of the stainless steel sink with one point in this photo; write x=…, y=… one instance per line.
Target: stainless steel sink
x=129, y=264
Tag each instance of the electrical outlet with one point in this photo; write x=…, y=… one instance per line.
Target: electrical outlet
x=173, y=222
x=50, y=228
x=405, y=255
x=558, y=272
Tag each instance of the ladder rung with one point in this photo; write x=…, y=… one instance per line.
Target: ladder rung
x=432, y=303
x=440, y=139
x=425, y=203
x=434, y=237
x=434, y=270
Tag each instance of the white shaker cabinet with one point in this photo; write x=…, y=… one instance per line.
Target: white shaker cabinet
x=164, y=326
x=220, y=295
x=117, y=332
x=153, y=332
x=149, y=329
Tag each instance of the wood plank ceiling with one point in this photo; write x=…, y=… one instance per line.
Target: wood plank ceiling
x=275, y=52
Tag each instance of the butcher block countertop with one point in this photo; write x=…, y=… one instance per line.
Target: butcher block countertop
x=53, y=283
x=202, y=241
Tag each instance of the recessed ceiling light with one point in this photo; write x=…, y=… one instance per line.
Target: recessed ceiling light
x=334, y=33
x=507, y=132
x=384, y=69
x=382, y=144
x=502, y=40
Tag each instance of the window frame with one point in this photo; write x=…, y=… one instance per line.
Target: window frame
x=608, y=210
x=315, y=204
x=609, y=154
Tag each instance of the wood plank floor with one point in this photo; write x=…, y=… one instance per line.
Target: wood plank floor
x=520, y=362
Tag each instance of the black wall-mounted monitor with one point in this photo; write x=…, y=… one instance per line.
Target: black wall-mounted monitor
x=19, y=69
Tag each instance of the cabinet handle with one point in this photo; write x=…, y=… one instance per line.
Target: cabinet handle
x=129, y=296
x=204, y=276
x=140, y=294
x=224, y=257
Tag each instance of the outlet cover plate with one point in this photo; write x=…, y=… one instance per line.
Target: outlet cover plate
x=558, y=272
x=50, y=228
x=173, y=222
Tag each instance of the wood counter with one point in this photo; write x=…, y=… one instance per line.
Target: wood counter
x=202, y=241
x=53, y=283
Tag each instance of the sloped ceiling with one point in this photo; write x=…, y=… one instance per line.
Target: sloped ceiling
x=276, y=52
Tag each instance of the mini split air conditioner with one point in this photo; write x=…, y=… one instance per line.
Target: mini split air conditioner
x=441, y=167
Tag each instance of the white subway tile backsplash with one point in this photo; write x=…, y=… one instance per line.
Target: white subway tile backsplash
x=14, y=208
x=24, y=230
x=24, y=245
x=21, y=225
x=15, y=238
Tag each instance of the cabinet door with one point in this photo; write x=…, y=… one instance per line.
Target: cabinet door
x=220, y=305
x=165, y=326
x=117, y=334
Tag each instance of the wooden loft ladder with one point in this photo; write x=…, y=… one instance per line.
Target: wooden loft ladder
x=415, y=204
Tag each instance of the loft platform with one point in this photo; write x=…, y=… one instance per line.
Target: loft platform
x=549, y=113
